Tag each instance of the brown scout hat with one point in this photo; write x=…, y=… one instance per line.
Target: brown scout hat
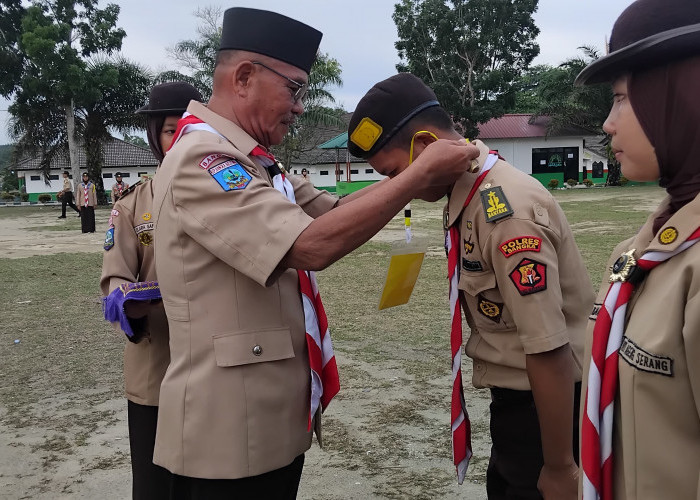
x=170, y=98
x=270, y=34
x=384, y=109
x=647, y=33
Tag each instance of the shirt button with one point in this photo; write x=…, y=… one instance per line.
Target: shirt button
x=257, y=350
x=478, y=366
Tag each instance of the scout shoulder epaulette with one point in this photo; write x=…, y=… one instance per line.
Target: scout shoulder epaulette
x=131, y=188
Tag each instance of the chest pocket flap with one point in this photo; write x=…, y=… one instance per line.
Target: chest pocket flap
x=234, y=349
x=475, y=283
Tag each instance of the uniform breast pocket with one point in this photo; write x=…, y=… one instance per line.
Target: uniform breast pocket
x=244, y=348
x=484, y=302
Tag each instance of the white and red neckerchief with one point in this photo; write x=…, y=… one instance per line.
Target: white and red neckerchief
x=325, y=382
x=597, y=424
x=86, y=194
x=461, y=426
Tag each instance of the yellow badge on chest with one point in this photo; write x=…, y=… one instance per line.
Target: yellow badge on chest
x=146, y=216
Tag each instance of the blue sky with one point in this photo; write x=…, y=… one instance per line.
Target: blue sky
x=360, y=34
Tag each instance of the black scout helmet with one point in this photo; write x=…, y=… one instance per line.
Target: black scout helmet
x=648, y=33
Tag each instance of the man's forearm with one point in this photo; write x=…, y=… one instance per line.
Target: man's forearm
x=349, y=225
x=552, y=381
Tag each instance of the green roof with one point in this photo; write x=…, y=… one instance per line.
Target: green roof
x=338, y=142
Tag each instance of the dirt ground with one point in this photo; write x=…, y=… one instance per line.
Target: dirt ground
x=39, y=458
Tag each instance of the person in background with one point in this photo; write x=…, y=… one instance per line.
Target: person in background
x=515, y=268
x=305, y=175
x=641, y=427
x=128, y=258
x=66, y=195
x=87, y=201
x=236, y=244
x=119, y=187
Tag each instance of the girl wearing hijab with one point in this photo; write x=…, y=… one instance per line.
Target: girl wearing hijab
x=640, y=435
x=87, y=200
x=128, y=259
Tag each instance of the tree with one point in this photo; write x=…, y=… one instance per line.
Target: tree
x=135, y=140
x=56, y=40
x=198, y=56
x=470, y=52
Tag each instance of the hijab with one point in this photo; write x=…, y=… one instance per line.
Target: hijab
x=154, y=126
x=666, y=100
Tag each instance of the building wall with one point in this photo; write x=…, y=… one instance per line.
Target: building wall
x=35, y=185
x=323, y=175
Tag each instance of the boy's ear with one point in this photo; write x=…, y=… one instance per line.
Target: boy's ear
x=421, y=142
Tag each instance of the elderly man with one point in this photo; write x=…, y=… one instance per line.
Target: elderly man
x=251, y=363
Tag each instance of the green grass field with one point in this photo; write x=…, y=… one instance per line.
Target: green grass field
x=394, y=364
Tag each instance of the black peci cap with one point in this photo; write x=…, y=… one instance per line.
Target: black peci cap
x=387, y=107
x=648, y=33
x=270, y=34
x=117, y=174
x=170, y=98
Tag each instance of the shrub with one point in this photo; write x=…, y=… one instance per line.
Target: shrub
x=14, y=193
x=25, y=197
x=587, y=182
x=553, y=183
x=6, y=196
x=623, y=180
x=44, y=197
x=571, y=182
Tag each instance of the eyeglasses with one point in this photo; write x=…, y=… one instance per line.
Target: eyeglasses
x=302, y=88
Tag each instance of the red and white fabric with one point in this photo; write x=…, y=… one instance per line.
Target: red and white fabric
x=86, y=194
x=597, y=426
x=325, y=382
x=461, y=426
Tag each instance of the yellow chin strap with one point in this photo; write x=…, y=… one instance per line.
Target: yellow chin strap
x=413, y=139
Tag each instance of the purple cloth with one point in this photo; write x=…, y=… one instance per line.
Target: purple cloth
x=114, y=303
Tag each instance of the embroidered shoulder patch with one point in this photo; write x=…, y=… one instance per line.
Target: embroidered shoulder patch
x=520, y=244
x=529, y=276
x=109, y=239
x=668, y=236
x=468, y=245
x=492, y=310
x=645, y=361
x=230, y=175
x=209, y=160
x=495, y=204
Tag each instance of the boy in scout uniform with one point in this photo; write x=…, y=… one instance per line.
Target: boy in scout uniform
x=66, y=195
x=640, y=435
x=128, y=258
x=522, y=279
x=236, y=239
x=119, y=187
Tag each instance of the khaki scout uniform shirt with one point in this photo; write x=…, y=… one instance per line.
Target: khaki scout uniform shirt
x=131, y=260
x=67, y=185
x=656, y=436
x=522, y=276
x=235, y=398
x=92, y=195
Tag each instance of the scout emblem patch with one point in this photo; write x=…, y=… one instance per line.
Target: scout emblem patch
x=230, y=175
x=146, y=238
x=529, y=276
x=109, y=239
x=472, y=265
x=520, y=244
x=594, y=313
x=492, y=310
x=495, y=203
x=643, y=360
x=146, y=216
x=668, y=236
x=366, y=133
x=468, y=245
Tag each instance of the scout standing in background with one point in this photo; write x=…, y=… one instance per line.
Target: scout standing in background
x=252, y=364
x=514, y=263
x=128, y=258
x=641, y=425
x=87, y=201
x=119, y=187
x=66, y=195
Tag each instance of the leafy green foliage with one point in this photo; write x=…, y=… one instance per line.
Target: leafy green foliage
x=470, y=52
x=135, y=140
